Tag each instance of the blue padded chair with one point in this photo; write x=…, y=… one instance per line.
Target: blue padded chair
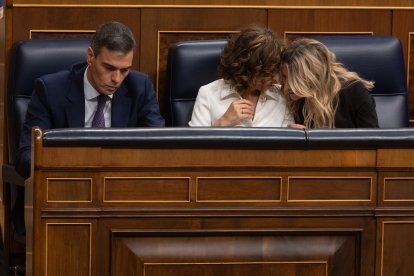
x=30, y=59
x=381, y=59
x=192, y=64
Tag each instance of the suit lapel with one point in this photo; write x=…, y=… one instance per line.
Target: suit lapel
x=75, y=108
x=121, y=106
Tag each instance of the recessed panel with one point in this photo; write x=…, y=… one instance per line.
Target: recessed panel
x=146, y=189
x=233, y=252
x=399, y=189
x=68, y=249
x=240, y=189
x=397, y=248
x=329, y=189
x=69, y=189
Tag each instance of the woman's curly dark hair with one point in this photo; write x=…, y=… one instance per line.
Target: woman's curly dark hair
x=251, y=53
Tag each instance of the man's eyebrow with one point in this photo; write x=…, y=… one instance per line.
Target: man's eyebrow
x=108, y=65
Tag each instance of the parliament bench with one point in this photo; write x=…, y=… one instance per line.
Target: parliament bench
x=222, y=201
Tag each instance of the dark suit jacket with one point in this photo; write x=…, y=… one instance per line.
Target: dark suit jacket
x=58, y=101
x=356, y=108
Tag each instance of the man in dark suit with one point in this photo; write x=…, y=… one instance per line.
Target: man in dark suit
x=69, y=99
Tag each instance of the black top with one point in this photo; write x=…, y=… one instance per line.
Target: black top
x=356, y=108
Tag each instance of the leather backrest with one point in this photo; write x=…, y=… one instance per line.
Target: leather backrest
x=380, y=59
x=191, y=64
x=230, y=138
x=30, y=59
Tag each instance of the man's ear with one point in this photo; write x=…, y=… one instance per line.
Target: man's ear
x=89, y=55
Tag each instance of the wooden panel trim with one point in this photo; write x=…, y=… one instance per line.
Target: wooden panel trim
x=31, y=32
x=382, y=242
x=62, y=224
x=321, y=262
x=108, y=200
x=48, y=188
x=385, y=189
x=249, y=240
x=368, y=199
x=279, y=183
x=295, y=33
x=206, y=6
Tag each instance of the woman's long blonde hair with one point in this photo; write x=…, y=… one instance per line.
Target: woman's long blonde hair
x=316, y=76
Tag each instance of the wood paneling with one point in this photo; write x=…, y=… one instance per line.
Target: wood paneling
x=69, y=21
x=239, y=189
x=394, y=157
x=146, y=189
x=236, y=253
x=396, y=240
x=154, y=157
x=345, y=189
x=396, y=188
x=399, y=189
x=227, y=3
x=68, y=249
x=336, y=21
x=323, y=214
x=69, y=190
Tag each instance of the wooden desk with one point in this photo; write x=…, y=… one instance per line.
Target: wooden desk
x=101, y=210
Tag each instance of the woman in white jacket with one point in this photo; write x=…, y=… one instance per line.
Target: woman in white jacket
x=247, y=93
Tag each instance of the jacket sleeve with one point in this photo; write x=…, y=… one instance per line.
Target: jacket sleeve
x=149, y=109
x=37, y=115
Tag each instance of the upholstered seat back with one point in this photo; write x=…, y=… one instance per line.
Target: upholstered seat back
x=30, y=59
x=379, y=58
x=191, y=64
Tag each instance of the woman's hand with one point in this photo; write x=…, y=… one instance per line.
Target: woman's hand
x=296, y=126
x=237, y=111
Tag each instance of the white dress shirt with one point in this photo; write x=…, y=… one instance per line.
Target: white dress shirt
x=214, y=99
x=91, y=103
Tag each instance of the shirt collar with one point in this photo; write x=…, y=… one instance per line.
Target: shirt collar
x=89, y=90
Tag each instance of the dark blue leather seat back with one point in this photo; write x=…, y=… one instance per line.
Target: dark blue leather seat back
x=30, y=59
x=378, y=58
x=191, y=64
x=381, y=59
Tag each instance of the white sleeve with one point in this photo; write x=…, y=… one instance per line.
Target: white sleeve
x=201, y=113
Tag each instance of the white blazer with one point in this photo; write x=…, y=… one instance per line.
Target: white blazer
x=214, y=99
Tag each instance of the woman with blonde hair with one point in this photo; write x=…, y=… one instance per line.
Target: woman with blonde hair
x=321, y=92
x=247, y=94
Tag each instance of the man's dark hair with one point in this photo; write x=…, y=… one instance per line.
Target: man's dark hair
x=114, y=36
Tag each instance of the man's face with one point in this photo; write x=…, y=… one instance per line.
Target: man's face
x=107, y=71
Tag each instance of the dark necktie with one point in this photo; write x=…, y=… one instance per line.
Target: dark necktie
x=99, y=118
